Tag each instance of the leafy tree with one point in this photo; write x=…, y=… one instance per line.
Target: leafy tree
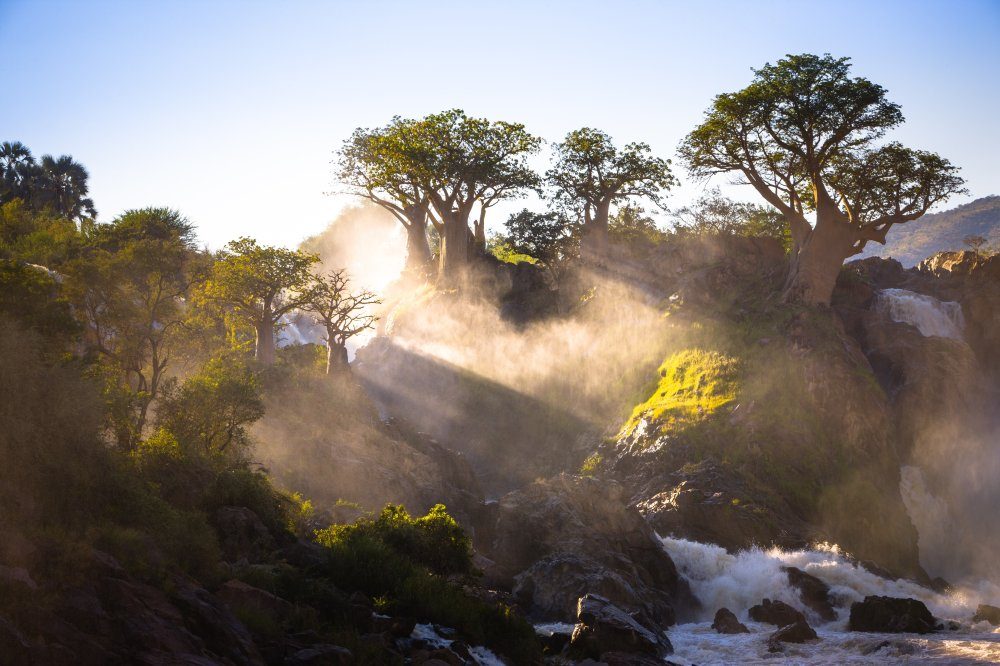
x=590, y=175
x=975, y=242
x=547, y=237
x=804, y=134
x=341, y=312
x=631, y=226
x=368, y=162
x=715, y=214
x=17, y=171
x=258, y=285
x=461, y=162
x=209, y=413
x=32, y=296
x=36, y=237
x=129, y=286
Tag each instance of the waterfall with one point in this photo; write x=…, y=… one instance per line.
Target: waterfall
x=929, y=315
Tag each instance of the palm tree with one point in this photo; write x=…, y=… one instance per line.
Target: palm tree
x=63, y=187
x=17, y=169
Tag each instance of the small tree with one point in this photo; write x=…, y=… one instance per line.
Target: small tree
x=976, y=243
x=210, y=412
x=258, y=285
x=715, y=214
x=804, y=135
x=341, y=312
x=631, y=226
x=590, y=175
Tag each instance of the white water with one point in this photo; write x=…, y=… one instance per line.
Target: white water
x=930, y=316
x=739, y=581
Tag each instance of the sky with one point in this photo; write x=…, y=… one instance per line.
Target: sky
x=231, y=111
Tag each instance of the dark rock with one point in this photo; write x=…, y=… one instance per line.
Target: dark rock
x=16, y=578
x=603, y=627
x=14, y=647
x=553, y=644
x=777, y=613
x=726, y=623
x=240, y=596
x=321, y=655
x=815, y=594
x=209, y=618
x=987, y=613
x=242, y=534
x=559, y=539
x=899, y=648
x=396, y=626
x=797, y=632
x=629, y=659
x=891, y=615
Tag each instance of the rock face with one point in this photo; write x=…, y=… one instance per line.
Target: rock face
x=797, y=632
x=725, y=622
x=777, y=613
x=604, y=628
x=815, y=593
x=987, y=613
x=242, y=534
x=560, y=539
x=891, y=615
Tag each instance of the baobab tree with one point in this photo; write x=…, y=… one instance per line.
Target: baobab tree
x=258, y=285
x=367, y=163
x=341, y=312
x=805, y=135
x=460, y=162
x=590, y=175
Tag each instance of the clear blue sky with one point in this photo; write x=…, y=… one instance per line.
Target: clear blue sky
x=229, y=111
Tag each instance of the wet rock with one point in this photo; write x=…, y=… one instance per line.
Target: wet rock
x=603, y=627
x=559, y=539
x=629, y=659
x=815, y=594
x=987, y=613
x=797, y=632
x=553, y=644
x=777, y=613
x=242, y=534
x=898, y=648
x=725, y=622
x=891, y=615
x=321, y=655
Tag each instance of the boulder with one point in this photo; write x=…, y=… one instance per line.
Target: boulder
x=13, y=645
x=725, y=622
x=561, y=538
x=777, y=613
x=891, y=615
x=797, y=632
x=604, y=628
x=815, y=594
x=242, y=597
x=987, y=613
x=242, y=534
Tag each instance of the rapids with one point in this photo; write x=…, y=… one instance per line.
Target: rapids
x=738, y=581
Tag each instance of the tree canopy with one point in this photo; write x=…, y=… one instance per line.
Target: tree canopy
x=805, y=135
x=590, y=175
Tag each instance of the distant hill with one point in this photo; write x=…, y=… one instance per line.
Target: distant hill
x=917, y=240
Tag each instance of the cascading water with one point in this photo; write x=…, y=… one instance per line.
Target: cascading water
x=739, y=581
x=929, y=315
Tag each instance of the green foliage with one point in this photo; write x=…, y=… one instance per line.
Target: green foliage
x=33, y=297
x=434, y=541
x=716, y=215
x=51, y=184
x=210, y=412
x=395, y=557
x=36, y=237
x=502, y=248
x=591, y=465
x=630, y=226
x=694, y=384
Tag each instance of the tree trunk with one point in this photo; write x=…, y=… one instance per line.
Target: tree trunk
x=336, y=358
x=264, y=343
x=479, y=233
x=454, y=249
x=594, y=241
x=813, y=271
x=418, y=250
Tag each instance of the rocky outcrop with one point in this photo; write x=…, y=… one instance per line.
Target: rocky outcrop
x=797, y=632
x=815, y=594
x=725, y=622
x=891, y=615
x=987, y=613
x=562, y=538
x=242, y=534
x=604, y=628
x=775, y=612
